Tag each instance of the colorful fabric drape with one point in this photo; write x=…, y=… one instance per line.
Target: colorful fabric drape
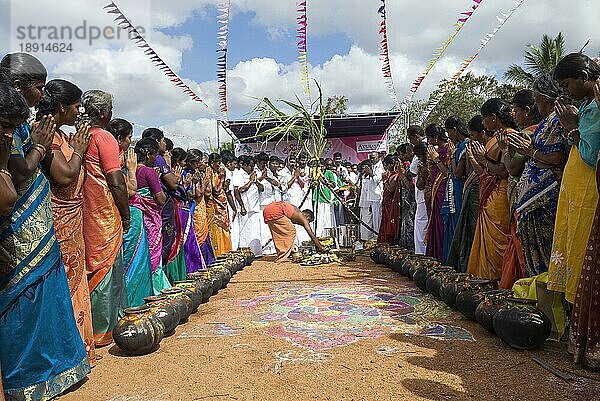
x=175, y=268
x=223, y=21
x=194, y=260
x=452, y=205
x=139, y=40
x=302, y=45
x=385, y=56
x=201, y=230
x=136, y=260
x=458, y=26
x=435, y=228
x=503, y=18
x=41, y=352
x=67, y=209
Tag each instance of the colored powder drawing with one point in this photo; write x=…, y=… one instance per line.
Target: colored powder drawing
x=332, y=315
x=211, y=330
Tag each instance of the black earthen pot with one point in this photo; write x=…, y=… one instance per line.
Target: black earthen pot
x=435, y=278
x=179, y=299
x=406, y=267
x=397, y=264
x=206, y=284
x=194, y=290
x=165, y=311
x=420, y=278
x=139, y=332
x=468, y=300
x=451, y=287
x=521, y=324
x=491, y=304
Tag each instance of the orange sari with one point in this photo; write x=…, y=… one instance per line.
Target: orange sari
x=67, y=208
x=493, y=223
x=218, y=217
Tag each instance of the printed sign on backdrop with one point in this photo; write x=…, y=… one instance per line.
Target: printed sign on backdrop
x=353, y=149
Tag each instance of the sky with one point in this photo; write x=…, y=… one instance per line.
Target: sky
x=343, y=50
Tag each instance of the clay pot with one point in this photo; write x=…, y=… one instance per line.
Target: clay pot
x=223, y=273
x=374, y=254
x=165, y=311
x=194, y=290
x=435, y=278
x=521, y=324
x=491, y=304
x=406, y=267
x=249, y=255
x=138, y=332
x=206, y=284
x=451, y=286
x=179, y=299
x=469, y=298
x=420, y=278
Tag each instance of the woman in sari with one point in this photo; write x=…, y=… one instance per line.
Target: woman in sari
x=439, y=156
x=201, y=190
x=218, y=216
x=63, y=167
x=136, y=249
x=584, y=336
x=576, y=74
x=537, y=191
x=35, y=301
x=389, y=231
x=493, y=220
x=527, y=117
x=150, y=199
x=106, y=217
x=458, y=133
x=464, y=232
x=407, y=195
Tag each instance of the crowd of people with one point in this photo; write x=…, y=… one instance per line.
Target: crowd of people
x=91, y=224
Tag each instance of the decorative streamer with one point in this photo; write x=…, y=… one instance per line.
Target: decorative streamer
x=223, y=21
x=135, y=36
x=302, y=46
x=385, y=56
x=465, y=16
x=502, y=19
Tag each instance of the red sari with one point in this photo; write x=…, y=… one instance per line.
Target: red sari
x=389, y=231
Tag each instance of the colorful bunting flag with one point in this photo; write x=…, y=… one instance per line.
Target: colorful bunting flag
x=465, y=16
x=502, y=19
x=222, y=35
x=302, y=45
x=385, y=56
x=135, y=36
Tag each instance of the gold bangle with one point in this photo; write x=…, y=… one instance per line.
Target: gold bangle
x=39, y=145
x=42, y=154
x=4, y=171
x=78, y=154
x=534, y=152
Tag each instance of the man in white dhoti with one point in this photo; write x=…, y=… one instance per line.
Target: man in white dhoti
x=271, y=185
x=246, y=189
x=371, y=196
x=418, y=169
x=230, y=163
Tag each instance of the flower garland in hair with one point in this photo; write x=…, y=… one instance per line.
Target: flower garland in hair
x=223, y=21
x=385, y=56
x=302, y=45
x=458, y=26
x=502, y=19
x=135, y=36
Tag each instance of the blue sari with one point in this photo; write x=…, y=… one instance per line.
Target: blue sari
x=41, y=351
x=136, y=258
x=453, y=202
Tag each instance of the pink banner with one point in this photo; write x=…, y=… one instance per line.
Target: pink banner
x=353, y=149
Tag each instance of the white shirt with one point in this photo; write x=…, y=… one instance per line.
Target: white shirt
x=372, y=187
x=353, y=177
x=295, y=193
x=250, y=198
x=268, y=195
x=414, y=169
x=342, y=173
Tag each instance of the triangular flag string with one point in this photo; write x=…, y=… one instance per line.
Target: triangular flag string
x=140, y=42
x=458, y=26
x=223, y=31
x=467, y=62
x=302, y=46
x=385, y=56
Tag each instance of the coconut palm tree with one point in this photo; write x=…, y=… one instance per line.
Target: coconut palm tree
x=538, y=60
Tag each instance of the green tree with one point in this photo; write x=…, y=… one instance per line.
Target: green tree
x=336, y=105
x=540, y=59
x=465, y=97
x=397, y=131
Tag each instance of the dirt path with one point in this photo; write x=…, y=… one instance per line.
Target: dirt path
x=353, y=332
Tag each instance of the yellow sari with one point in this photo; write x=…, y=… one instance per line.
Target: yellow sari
x=574, y=216
x=218, y=217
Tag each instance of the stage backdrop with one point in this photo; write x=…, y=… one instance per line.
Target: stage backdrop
x=353, y=148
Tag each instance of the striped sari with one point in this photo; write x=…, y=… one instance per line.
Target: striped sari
x=218, y=217
x=453, y=201
x=194, y=260
x=201, y=231
x=136, y=258
x=175, y=268
x=41, y=351
x=435, y=227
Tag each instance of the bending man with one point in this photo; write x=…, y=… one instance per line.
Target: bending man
x=281, y=217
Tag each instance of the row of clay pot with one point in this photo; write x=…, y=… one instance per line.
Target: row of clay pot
x=142, y=328
x=516, y=321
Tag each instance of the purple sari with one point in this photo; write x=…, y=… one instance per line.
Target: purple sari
x=435, y=229
x=194, y=261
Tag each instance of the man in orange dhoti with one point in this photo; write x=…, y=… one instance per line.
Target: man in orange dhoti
x=281, y=217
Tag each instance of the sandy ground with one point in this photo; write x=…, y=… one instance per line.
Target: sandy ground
x=351, y=332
